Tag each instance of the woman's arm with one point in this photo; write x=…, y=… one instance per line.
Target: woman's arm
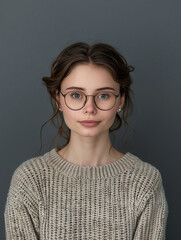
x=21, y=211
x=152, y=215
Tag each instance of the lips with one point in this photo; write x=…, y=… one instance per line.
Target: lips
x=89, y=121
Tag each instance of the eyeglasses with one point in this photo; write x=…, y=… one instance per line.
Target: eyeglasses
x=75, y=100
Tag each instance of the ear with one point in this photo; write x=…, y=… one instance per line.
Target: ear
x=122, y=100
x=57, y=99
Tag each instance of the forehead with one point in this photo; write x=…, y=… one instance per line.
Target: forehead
x=89, y=77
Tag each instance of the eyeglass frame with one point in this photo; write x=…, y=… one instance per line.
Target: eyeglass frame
x=64, y=95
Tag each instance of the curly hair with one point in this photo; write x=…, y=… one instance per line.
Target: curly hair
x=99, y=54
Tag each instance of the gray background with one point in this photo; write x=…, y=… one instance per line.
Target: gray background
x=147, y=33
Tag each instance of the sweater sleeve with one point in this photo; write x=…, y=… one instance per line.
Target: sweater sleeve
x=152, y=214
x=21, y=210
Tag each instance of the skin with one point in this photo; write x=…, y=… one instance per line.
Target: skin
x=89, y=146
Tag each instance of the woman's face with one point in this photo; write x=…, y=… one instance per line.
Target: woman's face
x=89, y=77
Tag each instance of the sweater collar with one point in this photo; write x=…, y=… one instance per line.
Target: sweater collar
x=124, y=163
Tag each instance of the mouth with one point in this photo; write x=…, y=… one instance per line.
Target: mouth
x=89, y=123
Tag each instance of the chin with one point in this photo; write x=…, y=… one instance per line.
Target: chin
x=87, y=132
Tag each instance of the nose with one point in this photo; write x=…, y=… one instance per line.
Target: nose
x=90, y=104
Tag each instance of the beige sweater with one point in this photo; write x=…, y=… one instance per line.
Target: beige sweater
x=50, y=198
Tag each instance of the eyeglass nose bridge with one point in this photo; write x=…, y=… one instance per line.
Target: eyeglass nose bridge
x=86, y=98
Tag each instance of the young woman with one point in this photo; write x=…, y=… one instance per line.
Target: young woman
x=87, y=189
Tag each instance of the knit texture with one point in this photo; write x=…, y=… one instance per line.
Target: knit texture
x=51, y=198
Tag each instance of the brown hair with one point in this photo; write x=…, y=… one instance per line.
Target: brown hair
x=99, y=54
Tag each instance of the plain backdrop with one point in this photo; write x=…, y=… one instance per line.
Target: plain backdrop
x=147, y=33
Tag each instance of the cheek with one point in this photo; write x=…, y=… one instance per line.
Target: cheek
x=70, y=117
x=111, y=118
x=108, y=118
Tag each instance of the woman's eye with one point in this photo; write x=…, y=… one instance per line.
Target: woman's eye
x=75, y=95
x=104, y=96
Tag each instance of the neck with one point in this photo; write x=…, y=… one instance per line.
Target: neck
x=89, y=151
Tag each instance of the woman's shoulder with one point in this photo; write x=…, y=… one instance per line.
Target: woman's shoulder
x=141, y=165
x=31, y=169
x=146, y=175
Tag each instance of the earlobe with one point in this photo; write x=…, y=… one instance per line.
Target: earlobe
x=58, y=106
x=57, y=100
x=122, y=101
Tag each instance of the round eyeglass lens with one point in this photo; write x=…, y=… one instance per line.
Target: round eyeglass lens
x=76, y=99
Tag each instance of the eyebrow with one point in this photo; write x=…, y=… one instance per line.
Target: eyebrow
x=98, y=89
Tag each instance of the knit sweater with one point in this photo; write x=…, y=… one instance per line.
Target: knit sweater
x=51, y=198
